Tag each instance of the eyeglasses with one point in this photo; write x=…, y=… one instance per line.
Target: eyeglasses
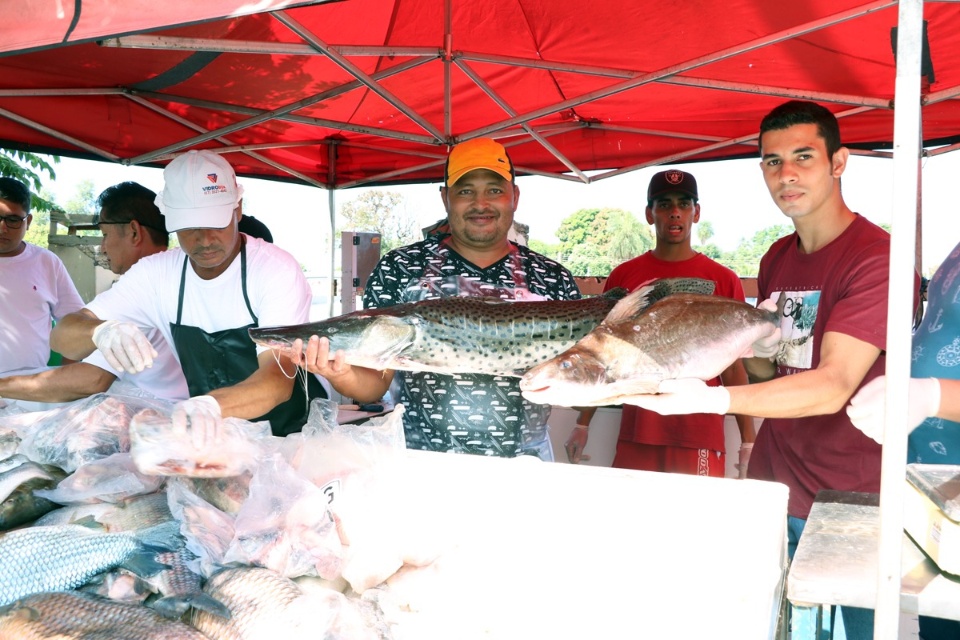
x=13, y=222
x=97, y=220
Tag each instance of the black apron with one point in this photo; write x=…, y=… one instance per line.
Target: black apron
x=224, y=358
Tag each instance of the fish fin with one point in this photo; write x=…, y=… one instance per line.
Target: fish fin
x=164, y=536
x=617, y=293
x=89, y=522
x=143, y=564
x=174, y=607
x=653, y=291
x=20, y=611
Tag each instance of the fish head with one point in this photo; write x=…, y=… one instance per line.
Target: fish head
x=570, y=379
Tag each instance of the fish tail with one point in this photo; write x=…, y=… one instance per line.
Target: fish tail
x=165, y=536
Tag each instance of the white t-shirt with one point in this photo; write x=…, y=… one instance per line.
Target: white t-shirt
x=35, y=289
x=146, y=295
x=163, y=380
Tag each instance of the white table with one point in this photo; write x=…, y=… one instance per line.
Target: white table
x=836, y=564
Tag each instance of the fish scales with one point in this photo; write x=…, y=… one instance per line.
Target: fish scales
x=74, y=615
x=60, y=558
x=464, y=334
x=631, y=352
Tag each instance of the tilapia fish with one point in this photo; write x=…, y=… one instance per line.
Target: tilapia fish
x=18, y=492
x=74, y=615
x=638, y=345
x=60, y=558
x=463, y=334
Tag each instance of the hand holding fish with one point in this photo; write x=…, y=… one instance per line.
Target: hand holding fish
x=316, y=358
x=867, y=408
x=576, y=443
x=124, y=346
x=199, y=418
x=768, y=346
x=683, y=396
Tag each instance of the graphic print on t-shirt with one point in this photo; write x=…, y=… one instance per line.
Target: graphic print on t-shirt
x=796, y=329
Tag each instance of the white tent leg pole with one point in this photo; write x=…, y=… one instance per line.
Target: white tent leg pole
x=906, y=158
x=332, y=204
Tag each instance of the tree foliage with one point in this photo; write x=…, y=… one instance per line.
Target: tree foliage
x=593, y=241
x=28, y=169
x=380, y=212
x=745, y=259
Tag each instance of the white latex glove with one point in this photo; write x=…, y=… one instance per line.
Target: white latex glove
x=746, y=448
x=769, y=346
x=124, y=346
x=868, y=407
x=684, y=396
x=198, y=418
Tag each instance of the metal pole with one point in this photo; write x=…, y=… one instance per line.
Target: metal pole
x=906, y=159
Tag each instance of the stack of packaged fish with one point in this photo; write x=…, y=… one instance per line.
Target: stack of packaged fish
x=110, y=531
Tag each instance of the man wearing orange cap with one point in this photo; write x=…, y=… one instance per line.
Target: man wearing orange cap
x=477, y=414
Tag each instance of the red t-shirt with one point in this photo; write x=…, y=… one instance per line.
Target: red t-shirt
x=696, y=431
x=842, y=288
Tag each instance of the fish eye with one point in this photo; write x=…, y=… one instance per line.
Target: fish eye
x=565, y=364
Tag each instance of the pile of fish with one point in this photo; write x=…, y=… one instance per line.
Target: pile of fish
x=110, y=549
x=643, y=342
x=482, y=335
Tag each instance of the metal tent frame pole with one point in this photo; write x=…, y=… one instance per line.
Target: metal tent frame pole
x=906, y=158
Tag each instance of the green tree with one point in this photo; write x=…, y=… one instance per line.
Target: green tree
x=704, y=231
x=593, y=241
x=27, y=168
x=380, y=212
x=745, y=259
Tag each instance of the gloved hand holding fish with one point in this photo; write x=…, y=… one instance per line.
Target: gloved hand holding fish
x=455, y=335
x=229, y=450
x=199, y=418
x=668, y=347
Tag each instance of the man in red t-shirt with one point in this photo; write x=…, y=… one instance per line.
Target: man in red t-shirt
x=648, y=441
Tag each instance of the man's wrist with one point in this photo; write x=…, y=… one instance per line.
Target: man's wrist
x=585, y=427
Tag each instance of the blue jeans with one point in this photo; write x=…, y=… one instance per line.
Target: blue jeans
x=857, y=622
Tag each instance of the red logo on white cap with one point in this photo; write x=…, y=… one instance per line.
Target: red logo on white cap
x=674, y=176
x=212, y=177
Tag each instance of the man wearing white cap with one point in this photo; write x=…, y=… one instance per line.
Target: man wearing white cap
x=203, y=298
x=466, y=413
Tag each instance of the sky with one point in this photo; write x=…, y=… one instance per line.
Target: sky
x=733, y=198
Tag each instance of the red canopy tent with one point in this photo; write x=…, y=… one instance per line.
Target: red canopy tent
x=356, y=92
x=372, y=91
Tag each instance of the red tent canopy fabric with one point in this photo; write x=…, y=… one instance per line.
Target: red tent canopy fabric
x=364, y=92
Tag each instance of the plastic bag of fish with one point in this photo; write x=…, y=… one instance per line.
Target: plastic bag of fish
x=155, y=452
x=82, y=431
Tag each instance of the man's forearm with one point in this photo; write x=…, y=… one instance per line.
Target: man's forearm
x=61, y=384
x=72, y=337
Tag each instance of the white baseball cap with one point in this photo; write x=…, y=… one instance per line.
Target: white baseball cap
x=200, y=191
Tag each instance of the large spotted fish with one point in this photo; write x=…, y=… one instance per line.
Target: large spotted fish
x=640, y=344
x=464, y=334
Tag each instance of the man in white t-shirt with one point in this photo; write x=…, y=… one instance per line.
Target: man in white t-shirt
x=203, y=298
x=35, y=288
x=132, y=228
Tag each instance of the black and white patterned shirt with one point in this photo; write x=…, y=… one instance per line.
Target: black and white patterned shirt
x=466, y=413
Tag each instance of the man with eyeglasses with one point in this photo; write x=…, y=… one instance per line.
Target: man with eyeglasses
x=132, y=228
x=35, y=288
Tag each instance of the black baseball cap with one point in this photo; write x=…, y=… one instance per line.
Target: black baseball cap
x=672, y=180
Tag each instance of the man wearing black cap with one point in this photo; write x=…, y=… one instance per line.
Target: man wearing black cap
x=648, y=441
x=132, y=228
x=468, y=413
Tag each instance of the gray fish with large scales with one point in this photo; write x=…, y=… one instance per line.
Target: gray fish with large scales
x=74, y=615
x=64, y=557
x=640, y=344
x=464, y=334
